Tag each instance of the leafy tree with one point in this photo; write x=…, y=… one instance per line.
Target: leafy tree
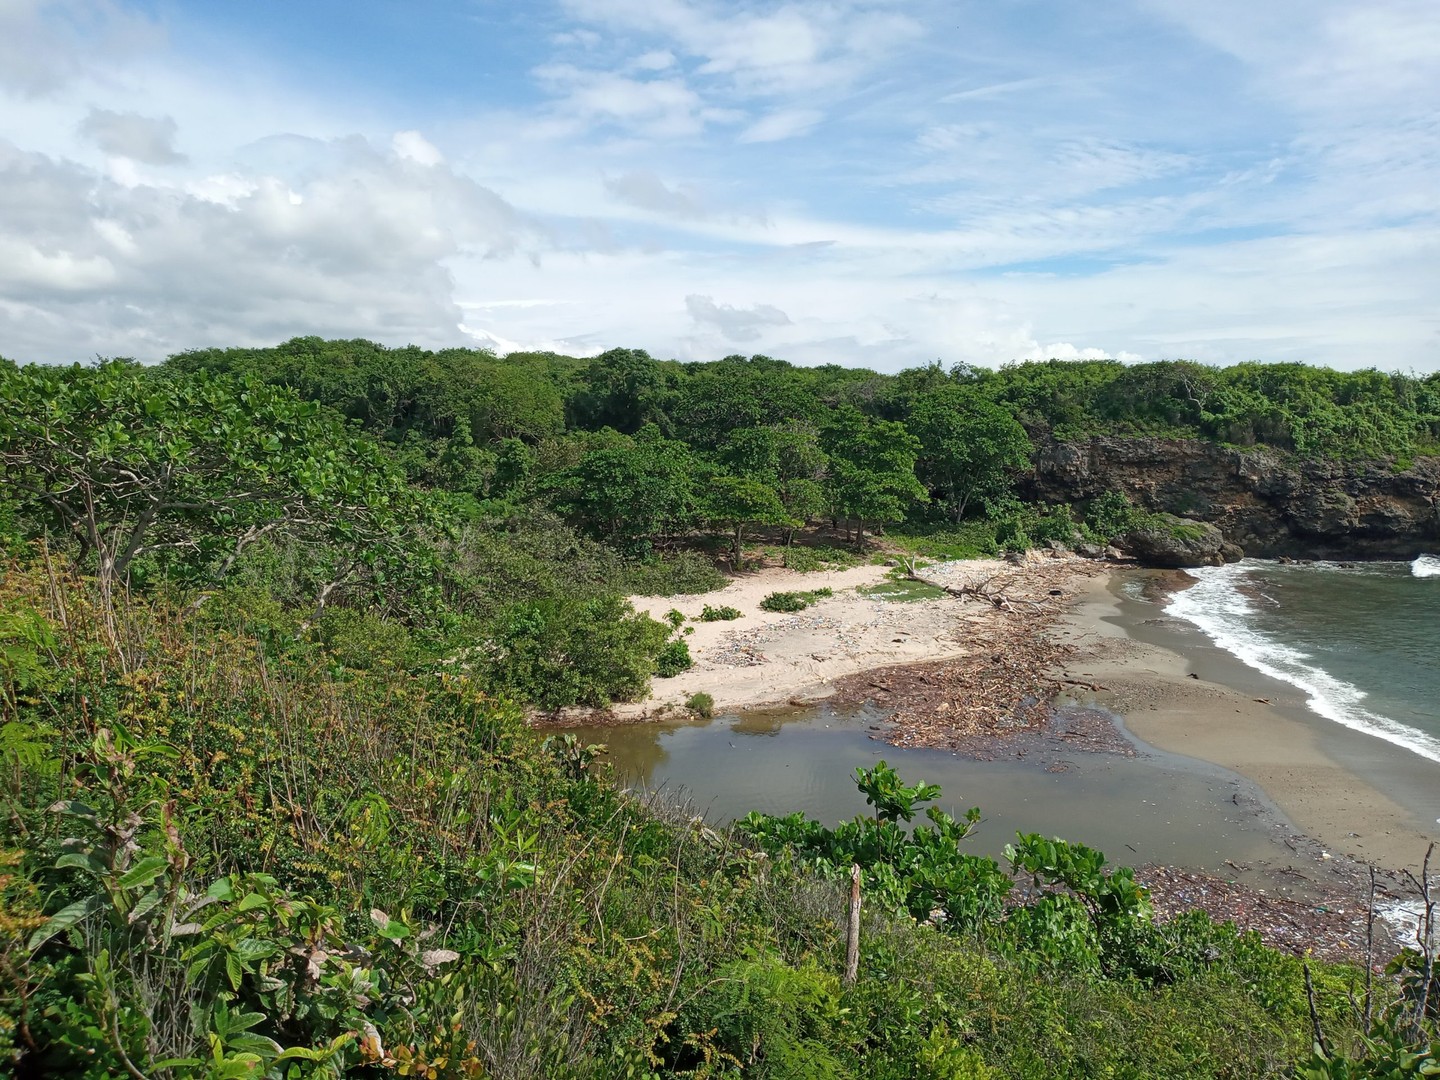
x=738, y=393
x=872, y=468
x=632, y=488
x=191, y=470
x=970, y=447
x=623, y=389
x=787, y=456
x=741, y=501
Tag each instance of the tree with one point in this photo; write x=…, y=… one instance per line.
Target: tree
x=872, y=468
x=623, y=389
x=631, y=488
x=191, y=469
x=740, y=501
x=788, y=457
x=737, y=393
x=970, y=447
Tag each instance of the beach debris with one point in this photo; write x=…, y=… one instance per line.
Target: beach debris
x=1000, y=691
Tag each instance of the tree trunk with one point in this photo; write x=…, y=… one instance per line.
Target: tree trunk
x=739, y=548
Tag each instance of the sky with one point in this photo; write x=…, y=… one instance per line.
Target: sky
x=885, y=183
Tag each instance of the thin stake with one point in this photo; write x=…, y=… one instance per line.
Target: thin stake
x=852, y=936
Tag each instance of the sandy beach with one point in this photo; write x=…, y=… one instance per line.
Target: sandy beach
x=767, y=658
x=1178, y=693
x=1083, y=711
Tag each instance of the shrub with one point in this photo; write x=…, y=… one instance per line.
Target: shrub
x=1111, y=515
x=793, y=601
x=808, y=559
x=702, y=705
x=720, y=614
x=673, y=659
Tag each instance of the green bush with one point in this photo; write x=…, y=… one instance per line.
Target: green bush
x=702, y=705
x=559, y=652
x=794, y=601
x=673, y=659
x=809, y=559
x=720, y=614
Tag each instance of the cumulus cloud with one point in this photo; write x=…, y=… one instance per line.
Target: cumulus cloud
x=47, y=44
x=736, y=324
x=355, y=249
x=147, y=139
x=413, y=146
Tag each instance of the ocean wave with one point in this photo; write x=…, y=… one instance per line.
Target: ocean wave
x=1217, y=604
x=1426, y=566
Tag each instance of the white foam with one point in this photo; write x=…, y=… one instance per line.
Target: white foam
x=1426, y=566
x=1218, y=606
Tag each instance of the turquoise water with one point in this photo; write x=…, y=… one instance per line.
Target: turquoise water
x=1362, y=643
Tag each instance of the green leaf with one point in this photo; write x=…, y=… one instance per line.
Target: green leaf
x=80, y=861
x=251, y=901
x=63, y=919
x=233, y=970
x=144, y=872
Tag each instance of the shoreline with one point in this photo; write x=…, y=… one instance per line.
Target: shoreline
x=1243, y=802
x=766, y=659
x=1177, y=692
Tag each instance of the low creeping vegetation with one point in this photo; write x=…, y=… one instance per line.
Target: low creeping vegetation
x=794, y=601
x=720, y=614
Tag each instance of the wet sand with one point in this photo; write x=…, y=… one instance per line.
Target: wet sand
x=1356, y=795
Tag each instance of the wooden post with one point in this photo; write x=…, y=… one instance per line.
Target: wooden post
x=852, y=935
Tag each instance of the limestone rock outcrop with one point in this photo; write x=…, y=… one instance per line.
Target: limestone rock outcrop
x=1262, y=500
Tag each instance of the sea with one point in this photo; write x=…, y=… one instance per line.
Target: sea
x=1360, y=641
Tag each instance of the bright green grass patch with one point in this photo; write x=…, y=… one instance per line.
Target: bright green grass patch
x=809, y=559
x=967, y=540
x=902, y=592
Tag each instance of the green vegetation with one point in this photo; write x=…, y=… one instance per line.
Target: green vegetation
x=271, y=622
x=901, y=591
x=793, y=601
x=720, y=614
x=702, y=705
x=808, y=559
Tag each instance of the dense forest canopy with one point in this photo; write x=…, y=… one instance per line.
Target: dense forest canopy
x=395, y=393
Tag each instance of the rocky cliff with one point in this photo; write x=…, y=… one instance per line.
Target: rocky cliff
x=1270, y=503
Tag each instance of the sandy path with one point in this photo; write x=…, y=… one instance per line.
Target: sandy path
x=769, y=658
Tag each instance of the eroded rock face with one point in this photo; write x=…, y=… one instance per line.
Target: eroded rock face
x=1268, y=503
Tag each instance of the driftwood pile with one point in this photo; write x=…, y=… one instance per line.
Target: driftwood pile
x=1002, y=687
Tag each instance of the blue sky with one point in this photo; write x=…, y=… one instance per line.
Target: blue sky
x=875, y=182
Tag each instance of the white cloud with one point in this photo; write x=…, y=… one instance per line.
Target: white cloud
x=357, y=248
x=146, y=139
x=413, y=146
x=47, y=44
x=646, y=191
x=736, y=324
x=658, y=108
x=785, y=124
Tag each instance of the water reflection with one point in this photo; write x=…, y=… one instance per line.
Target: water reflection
x=1152, y=809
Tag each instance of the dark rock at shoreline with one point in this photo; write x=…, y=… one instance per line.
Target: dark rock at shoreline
x=1263, y=500
x=1176, y=543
